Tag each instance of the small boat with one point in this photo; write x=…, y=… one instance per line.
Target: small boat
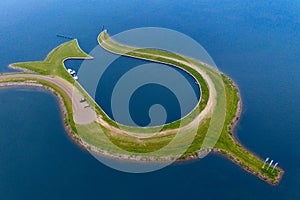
x=71, y=71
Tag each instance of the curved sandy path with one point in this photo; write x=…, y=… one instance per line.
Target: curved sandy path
x=196, y=121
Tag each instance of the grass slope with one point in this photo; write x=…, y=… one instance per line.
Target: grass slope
x=226, y=144
x=126, y=146
x=53, y=64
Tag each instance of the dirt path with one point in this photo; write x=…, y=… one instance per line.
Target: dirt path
x=196, y=121
x=82, y=115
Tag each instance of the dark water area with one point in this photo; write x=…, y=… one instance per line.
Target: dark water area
x=256, y=43
x=145, y=96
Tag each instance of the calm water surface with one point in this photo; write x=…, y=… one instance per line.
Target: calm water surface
x=256, y=43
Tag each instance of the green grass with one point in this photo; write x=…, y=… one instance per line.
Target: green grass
x=53, y=64
x=121, y=144
x=229, y=100
x=233, y=148
x=133, y=52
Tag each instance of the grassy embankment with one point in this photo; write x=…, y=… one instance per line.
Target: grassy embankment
x=53, y=65
x=95, y=134
x=68, y=116
x=226, y=144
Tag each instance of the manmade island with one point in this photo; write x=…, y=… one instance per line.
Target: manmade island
x=95, y=131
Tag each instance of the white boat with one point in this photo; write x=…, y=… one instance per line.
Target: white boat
x=72, y=72
x=75, y=77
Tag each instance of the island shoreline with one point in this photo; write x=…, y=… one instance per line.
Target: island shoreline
x=89, y=148
x=68, y=123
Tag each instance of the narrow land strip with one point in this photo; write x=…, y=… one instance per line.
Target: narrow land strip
x=98, y=133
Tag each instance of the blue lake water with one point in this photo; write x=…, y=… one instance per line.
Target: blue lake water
x=145, y=96
x=256, y=43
